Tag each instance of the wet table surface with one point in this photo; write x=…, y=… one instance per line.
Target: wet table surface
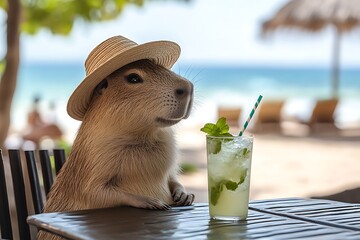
x=291, y=218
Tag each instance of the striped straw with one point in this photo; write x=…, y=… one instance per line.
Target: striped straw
x=251, y=115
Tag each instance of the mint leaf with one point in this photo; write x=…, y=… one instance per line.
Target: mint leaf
x=230, y=185
x=209, y=128
x=222, y=126
x=214, y=195
x=220, y=129
x=226, y=135
x=214, y=146
x=242, y=177
x=245, y=152
x=215, y=192
x=217, y=189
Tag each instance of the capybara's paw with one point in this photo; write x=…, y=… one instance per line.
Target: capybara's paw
x=181, y=198
x=153, y=203
x=144, y=202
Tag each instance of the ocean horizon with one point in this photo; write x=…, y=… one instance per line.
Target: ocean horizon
x=215, y=85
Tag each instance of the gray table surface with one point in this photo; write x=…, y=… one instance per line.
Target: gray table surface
x=290, y=218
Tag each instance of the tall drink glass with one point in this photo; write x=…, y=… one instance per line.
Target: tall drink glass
x=229, y=167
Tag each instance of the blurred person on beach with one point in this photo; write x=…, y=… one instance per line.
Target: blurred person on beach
x=34, y=119
x=38, y=128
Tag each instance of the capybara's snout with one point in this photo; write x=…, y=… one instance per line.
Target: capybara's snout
x=178, y=101
x=186, y=94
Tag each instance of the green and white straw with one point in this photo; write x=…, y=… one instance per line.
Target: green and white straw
x=251, y=115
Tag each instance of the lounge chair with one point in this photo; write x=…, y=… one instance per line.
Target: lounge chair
x=268, y=116
x=323, y=111
x=232, y=115
x=322, y=117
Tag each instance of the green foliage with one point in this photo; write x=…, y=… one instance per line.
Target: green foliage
x=187, y=168
x=63, y=144
x=3, y=4
x=2, y=66
x=59, y=16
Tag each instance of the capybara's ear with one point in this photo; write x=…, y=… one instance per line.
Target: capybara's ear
x=101, y=86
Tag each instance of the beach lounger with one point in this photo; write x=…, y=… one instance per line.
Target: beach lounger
x=232, y=115
x=323, y=111
x=269, y=116
x=322, y=117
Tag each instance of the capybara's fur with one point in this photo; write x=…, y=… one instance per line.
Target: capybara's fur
x=124, y=152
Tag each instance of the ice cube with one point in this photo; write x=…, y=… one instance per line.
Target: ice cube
x=230, y=161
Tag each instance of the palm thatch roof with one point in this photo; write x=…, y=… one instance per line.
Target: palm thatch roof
x=314, y=15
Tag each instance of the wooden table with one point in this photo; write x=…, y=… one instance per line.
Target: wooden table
x=291, y=218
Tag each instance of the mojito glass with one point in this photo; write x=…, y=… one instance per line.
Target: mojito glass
x=229, y=167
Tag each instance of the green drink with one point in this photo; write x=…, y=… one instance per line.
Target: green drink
x=229, y=165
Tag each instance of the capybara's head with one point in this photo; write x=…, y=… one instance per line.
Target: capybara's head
x=141, y=94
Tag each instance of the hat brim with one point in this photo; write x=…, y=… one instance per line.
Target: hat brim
x=163, y=53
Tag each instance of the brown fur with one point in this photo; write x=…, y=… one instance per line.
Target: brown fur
x=124, y=155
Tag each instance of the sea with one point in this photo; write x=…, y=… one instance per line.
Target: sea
x=215, y=86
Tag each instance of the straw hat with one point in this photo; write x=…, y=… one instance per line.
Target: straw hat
x=111, y=55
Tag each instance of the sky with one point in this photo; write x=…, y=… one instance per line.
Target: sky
x=208, y=31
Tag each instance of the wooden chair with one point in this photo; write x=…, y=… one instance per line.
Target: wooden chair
x=322, y=119
x=5, y=224
x=269, y=114
x=232, y=115
x=323, y=112
x=19, y=188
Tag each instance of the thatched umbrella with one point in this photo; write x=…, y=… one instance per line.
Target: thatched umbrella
x=315, y=15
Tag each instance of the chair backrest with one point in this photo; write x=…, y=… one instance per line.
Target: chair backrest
x=5, y=223
x=232, y=115
x=324, y=111
x=34, y=182
x=270, y=111
x=18, y=181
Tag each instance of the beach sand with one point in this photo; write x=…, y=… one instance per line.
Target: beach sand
x=284, y=165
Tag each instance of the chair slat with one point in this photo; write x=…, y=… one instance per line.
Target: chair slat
x=59, y=156
x=46, y=170
x=34, y=182
x=19, y=193
x=5, y=223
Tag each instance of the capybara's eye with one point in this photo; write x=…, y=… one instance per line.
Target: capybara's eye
x=134, y=78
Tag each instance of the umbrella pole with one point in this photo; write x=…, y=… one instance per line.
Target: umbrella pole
x=335, y=64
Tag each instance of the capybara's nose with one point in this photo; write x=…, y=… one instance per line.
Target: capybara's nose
x=181, y=92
